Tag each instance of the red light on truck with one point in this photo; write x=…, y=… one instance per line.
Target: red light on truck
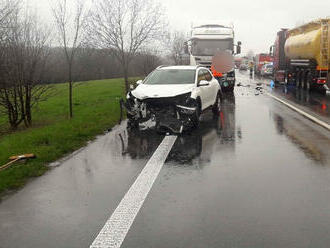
x=321, y=81
x=324, y=106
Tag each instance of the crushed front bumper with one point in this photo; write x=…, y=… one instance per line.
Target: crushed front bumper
x=169, y=118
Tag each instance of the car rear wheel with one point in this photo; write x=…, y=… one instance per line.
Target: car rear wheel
x=217, y=105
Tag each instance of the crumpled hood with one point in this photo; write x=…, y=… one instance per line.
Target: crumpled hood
x=144, y=91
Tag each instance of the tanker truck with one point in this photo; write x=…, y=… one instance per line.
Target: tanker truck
x=207, y=39
x=301, y=55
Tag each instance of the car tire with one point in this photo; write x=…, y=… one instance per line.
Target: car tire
x=132, y=122
x=216, y=108
x=195, y=118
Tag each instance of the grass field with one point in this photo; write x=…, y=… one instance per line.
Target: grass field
x=53, y=135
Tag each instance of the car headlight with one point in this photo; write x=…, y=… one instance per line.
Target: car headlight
x=186, y=110
x=182, y=99
x=130, y=96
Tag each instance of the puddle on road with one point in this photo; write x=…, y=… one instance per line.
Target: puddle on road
x=313, y=148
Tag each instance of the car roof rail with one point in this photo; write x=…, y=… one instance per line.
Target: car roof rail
x=161, y=66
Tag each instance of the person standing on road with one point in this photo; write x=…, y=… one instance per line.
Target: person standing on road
x=251, y=68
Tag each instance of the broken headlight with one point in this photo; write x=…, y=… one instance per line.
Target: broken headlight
x=182, y=99
x=186, y=110
x=129, y=95
x=185, y=104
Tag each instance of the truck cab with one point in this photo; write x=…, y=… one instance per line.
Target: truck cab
x=280, y=61
x=208, y=39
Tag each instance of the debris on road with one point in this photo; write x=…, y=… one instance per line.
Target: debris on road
x=240, y=84
x=54, y=164
x=15, y=159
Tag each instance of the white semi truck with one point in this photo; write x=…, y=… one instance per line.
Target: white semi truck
x=207, y=40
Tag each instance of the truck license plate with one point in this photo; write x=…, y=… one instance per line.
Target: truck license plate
x=230, y=78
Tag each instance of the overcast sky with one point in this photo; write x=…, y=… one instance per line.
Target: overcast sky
x=256, y=21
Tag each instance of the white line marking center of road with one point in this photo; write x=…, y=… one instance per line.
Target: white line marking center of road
x=116, y=228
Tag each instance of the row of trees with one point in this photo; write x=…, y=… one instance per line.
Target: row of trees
x=113, y=38
x=24, y=51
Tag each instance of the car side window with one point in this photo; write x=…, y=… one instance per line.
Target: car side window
x=208, y=76
x=201, y=76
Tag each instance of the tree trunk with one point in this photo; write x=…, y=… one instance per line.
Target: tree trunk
x=28, y=113
x=70, y=91
x=126, y=80
x=70, y=99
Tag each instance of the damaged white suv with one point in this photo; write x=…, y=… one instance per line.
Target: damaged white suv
x=173, y=97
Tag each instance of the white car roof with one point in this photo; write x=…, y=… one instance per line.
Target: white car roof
x=179, y=67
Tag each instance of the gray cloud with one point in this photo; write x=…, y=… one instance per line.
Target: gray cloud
x=256, y=21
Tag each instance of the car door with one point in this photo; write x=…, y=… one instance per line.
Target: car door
x=202, y=89
x=211, y=89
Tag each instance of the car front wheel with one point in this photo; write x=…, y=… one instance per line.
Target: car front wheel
x=196, y=116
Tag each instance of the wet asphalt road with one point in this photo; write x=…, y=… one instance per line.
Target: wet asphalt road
x=259, y=176
x=313, y=102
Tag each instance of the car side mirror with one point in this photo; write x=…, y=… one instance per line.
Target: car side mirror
x=203, y=83
x=139, y=82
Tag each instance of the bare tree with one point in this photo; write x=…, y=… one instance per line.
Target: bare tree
x=176, y=41
x=24, y=55
x=69, y=25
x=147, y=60
x=124, y=26
x=250, y=54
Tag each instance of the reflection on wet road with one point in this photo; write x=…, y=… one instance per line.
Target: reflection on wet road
x=313, y=101
x=256, y=176
x=69, y=205
x=259, y=176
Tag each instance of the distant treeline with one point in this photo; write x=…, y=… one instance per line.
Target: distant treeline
x=92, y=64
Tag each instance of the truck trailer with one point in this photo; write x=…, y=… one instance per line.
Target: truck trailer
x=301, y=55
x=260, y=60
x=207, y=40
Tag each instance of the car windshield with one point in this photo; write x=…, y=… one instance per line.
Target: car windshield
x=171, y=76
x=210, y=47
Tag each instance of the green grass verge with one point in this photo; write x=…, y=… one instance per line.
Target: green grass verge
x=53, y=135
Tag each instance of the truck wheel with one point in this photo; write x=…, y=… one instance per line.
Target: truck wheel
x=302, y=81
x=298, y=82
x=308, y=82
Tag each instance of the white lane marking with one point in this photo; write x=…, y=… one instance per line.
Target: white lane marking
x=312, y=118
x=115, y=229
